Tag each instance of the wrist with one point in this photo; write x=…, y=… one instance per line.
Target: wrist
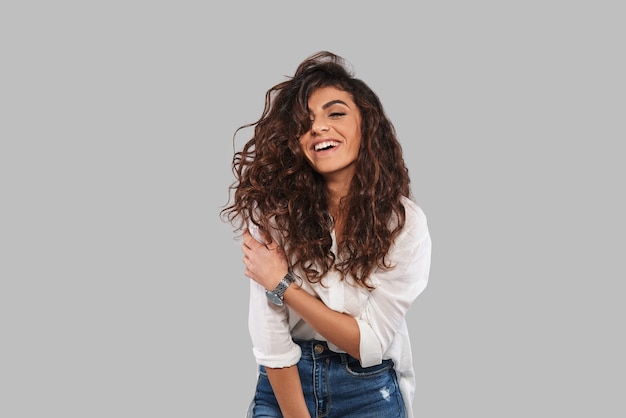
x=277, y=294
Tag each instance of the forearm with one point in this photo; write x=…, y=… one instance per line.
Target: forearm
x=267, y=265
x=339, y=328
x=288, y=391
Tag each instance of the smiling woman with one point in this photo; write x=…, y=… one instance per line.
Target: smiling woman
x=332, y=144
x=334, y=245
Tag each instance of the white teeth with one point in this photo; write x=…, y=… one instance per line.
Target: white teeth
x=325, y=144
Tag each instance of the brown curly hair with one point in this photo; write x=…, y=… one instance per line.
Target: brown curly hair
x=277, y=190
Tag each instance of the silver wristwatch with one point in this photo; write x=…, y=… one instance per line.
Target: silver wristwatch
x=276, y=295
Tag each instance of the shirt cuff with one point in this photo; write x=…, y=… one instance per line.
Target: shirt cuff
x=276, y=361
x=369, y=348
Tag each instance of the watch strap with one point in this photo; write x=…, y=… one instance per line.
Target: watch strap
x=280, y=288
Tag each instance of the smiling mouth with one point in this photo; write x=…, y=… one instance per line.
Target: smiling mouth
x=326, y=145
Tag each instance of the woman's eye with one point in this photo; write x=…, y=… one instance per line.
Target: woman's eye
x=336, y=114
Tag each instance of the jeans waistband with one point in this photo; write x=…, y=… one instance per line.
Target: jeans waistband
x=316, y=349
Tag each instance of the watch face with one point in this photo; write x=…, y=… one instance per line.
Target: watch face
x=274, y=298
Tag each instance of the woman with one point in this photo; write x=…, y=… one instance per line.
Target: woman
x=335, y=248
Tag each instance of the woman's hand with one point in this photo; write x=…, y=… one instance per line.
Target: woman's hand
x=266, y=264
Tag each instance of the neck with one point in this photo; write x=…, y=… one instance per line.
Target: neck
x=337, y=188
x=337, y=209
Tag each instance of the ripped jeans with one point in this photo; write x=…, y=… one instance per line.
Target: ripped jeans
x=336, y=386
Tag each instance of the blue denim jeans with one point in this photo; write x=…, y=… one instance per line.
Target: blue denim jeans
x=335, y=386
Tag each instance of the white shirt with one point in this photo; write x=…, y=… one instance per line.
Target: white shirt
x=380, y=313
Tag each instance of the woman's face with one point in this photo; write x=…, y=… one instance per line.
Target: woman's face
x=332, y=144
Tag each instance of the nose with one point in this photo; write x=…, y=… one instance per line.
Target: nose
x=319, y=126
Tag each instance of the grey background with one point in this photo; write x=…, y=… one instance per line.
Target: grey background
x=122, y=292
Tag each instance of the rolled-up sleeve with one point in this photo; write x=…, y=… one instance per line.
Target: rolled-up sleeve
x=268, y=325
x=396, y=289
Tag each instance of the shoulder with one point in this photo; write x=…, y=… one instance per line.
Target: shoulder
x=414, y=213
x=416, y=223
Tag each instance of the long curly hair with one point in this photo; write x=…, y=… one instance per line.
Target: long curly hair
x=277, y=189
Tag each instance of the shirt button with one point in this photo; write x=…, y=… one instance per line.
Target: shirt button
x=319, y=348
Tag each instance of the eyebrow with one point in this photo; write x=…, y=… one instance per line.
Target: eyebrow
x=332, y=102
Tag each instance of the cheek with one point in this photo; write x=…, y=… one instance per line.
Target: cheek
x=302, y=141
x=357, y=139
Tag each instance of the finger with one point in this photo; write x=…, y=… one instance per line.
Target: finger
x=246, y=236
x=248, y=240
